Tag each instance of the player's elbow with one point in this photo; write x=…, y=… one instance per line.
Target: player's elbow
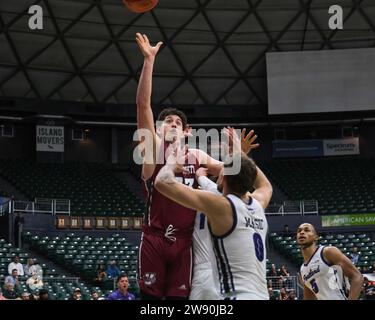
x=357, y=278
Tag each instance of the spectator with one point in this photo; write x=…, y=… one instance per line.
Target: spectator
x=369, y=289
x=100, y=275
x=25, y=296
x=373, y=267
x=284, y=272
x=273, y=271
x=354, y=256
x=29, y=268
x=1, y=295
x=9, y=292
x=113, y=271
x=272, y=294
x=292, y=295
x=285, y=275
x=287, y=231
x=13, y=279
x=34, y=282
x=365, y=270
x=280, y=283
x=76, y=295
x=18, y=224
x=15, y=265
x=269, y=283
x=283, y=294
x=95, y=295
x=122, y=292
x=43, y=294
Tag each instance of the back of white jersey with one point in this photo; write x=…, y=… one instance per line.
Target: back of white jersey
x=325, y=280
x=241, y=253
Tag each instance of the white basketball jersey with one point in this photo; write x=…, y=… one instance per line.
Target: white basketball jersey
x=325, y=280
x=241, y=253
x=204, y=258
x=202, y=243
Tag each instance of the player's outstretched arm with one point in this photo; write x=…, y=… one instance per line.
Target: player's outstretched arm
x=145, y=118
x=263, y=189
x=336, y=257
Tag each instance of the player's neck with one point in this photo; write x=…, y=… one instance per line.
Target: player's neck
x=307, y=252
x=243, y=197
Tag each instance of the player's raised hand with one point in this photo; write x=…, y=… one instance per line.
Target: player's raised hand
x=147, y=50
x=176, y=156
x=187, y=131
x=234, y=144
x=247, y=141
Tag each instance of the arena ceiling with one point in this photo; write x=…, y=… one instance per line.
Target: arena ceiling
x=214, y=51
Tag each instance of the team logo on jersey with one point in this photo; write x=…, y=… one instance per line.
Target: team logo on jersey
x=149, y=278
x=313, y=270
x=183, y=287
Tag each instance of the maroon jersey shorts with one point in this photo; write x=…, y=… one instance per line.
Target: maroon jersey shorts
x=165, y=265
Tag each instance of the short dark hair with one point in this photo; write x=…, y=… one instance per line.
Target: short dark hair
x=175, y=112
x=42, y=292
x=244, y=180
x=122, y=275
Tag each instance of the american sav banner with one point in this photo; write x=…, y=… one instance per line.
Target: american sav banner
x=348, y=220
x=49, y=139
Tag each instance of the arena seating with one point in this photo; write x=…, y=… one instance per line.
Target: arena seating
x=288, y=247
x=59, y=286
x=341, y=185
x=92, y=188
x=82, y=255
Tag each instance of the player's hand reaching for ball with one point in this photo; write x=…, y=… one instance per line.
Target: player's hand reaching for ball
x=147, y=50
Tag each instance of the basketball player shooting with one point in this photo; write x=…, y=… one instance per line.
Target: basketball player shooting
x=165, y=258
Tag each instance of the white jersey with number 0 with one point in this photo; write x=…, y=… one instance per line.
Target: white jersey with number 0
x=241, y=252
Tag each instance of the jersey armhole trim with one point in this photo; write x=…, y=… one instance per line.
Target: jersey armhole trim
x=234, y=225
x=323, y=259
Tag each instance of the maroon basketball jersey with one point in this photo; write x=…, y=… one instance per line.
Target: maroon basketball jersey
x=161, y=212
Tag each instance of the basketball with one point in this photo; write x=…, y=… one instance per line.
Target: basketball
x=140, y=6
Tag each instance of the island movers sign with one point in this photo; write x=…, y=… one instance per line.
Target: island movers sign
x=49, y=139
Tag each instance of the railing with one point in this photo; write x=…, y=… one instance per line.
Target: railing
x=48, y=280
x=304, y=207
x=290, y=283
x=5, y=206
x=42, y=205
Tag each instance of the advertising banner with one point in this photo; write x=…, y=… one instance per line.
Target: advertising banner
x=297, y=148
x=341, y=147
x=49, y=139
x=348, y=220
